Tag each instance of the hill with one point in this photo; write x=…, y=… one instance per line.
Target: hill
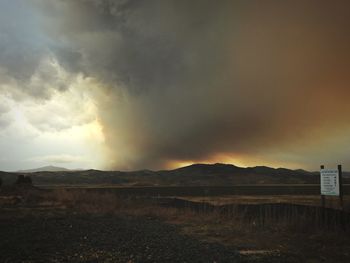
x=49, y=168
x=194, y=175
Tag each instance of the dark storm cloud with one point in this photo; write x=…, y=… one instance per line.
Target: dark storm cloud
x=26, y=53
x=110, y=41
x=20, y=51
x=186, y=80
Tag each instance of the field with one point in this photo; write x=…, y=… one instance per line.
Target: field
x=251, y=189
x=99, y=225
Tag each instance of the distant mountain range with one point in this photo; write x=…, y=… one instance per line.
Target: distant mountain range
x=194, y=175
x=49, y=168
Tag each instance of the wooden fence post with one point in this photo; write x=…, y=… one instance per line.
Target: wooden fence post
x=341, y=200
x=323, y=199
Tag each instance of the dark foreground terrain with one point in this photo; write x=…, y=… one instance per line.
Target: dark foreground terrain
x=77, y=238
x=110, y=238
x=96, y=226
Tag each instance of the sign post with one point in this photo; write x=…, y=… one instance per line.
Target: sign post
x=323, y=198
x=331, y=184
x=341, y=201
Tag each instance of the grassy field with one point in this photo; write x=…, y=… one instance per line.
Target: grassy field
x=251, y=189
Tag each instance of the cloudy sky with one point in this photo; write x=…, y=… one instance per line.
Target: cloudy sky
x=155, y=84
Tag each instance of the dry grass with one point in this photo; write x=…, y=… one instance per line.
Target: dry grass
x=231, y=229
x=85, y=201
x=314, y=200
x=107, y=203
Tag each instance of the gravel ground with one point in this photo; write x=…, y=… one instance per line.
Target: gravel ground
x=77, y=238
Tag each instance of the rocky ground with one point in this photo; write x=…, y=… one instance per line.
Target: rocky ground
x=87, y=238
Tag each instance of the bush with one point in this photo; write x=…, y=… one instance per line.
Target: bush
x=23, y=180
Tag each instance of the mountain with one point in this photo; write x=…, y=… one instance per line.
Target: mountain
x=49, y=168
x=193, y=175
x=222, y=174
x=209, y=168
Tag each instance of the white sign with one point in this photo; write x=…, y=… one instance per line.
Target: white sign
x=330, y=182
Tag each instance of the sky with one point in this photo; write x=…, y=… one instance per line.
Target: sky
x=159, y=84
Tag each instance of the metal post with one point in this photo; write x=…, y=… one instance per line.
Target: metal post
x=341, y=201
x=323, y=199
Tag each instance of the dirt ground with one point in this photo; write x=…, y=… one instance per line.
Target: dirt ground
x=60, y=226
x=102, y=238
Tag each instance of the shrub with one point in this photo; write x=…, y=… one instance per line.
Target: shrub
x=23, y=180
